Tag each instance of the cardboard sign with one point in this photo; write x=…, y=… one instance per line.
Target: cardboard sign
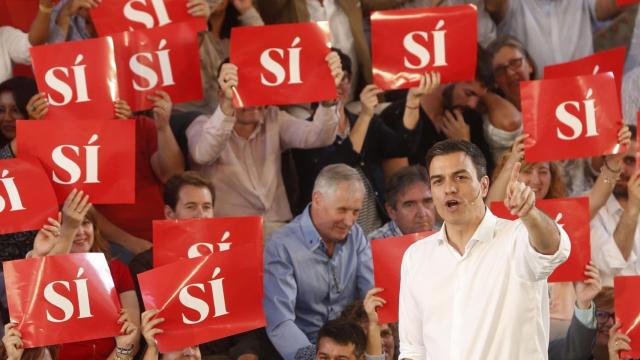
x=572, y=214
x=175, y=240
x=63, y=298
x=387, y=261
x=79, y=78
x=599, y=63
x=26, y=196
x=205, y=298
x=165, y=58
x=627, y=308
x=97, y=157
x=409, y=42
x=570, y=118
x=286, y=67
x=116, y=16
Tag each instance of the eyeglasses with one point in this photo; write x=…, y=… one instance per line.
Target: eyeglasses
x=604, y=316
x=513, y=64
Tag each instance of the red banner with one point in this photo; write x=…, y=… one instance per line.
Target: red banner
x=26, y=196
x=165, y=58
x=79, y=78
x=18, y=13
x=627, y=308
x=175, y=240
x=387, y=261
x=579, y=116
x=572, y=214
x=625, y=2
x=97, y=157
x=407, y=43
x=286, y=67
x=205, y=298
x=63, y=298
x=599, y=63
x=116, y=16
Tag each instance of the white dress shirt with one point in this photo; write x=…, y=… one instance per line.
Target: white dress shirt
x=604, y=251
x=490, y=303
x=14, y=49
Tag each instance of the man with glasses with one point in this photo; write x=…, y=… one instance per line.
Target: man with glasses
x=318, y=264
x=615, y=236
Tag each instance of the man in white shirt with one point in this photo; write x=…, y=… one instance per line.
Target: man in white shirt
x=477, y=289
x=615, y=236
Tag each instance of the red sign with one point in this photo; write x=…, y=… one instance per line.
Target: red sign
x=387, y=260
x=165, y=58
x=286, y=67
x=627, y=308
x=599, y=63
x=97, y=157
x=409, y=42
x=79, y=78
x=175, y=240
x=579, y=116
x=63, y=298
x=18, y=13
x=26, y=196
x=116, y=16
x=571, y=214
x=625, y=2
x=205, y=298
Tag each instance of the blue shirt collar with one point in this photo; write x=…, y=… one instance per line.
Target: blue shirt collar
x=311, y=236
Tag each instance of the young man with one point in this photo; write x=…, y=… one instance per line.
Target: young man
x=477, y=289
x=341, y=340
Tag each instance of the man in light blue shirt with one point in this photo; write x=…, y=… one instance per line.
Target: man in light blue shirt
x=318, y=264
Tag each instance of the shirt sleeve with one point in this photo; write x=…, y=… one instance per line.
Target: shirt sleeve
x=604, y=251
x=586, y=316
x=302, y=134
x=16, y=44
x=409, y=316
x=365, y=267
x=279, y=301
x=532, y=265
x=208, y=136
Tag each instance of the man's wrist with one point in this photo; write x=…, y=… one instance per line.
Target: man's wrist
x=583, y=305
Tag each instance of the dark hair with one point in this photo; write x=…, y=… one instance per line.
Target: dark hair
x=634, y=131
x=484, y=69
x=401, y=180
x=32, y=353
x=451, y=146
x=176, y=182
x=344, y=59
x=513, y=42
x=344, y=333
x=23, y=89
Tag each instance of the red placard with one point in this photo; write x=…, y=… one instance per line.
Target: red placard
x=286, y=67
x=625, y=2
x=572, y=214
x=175, y=240
x=165, y=58
x=26, y=196
x=599, y=63
x=115, y=16
x=97, y=157
x=79, y=78
x=409, y=42
x=627, y=308
x=18, y=13
x=570, y=118
x=63, y=298
x=205, y=298
x=387, y=261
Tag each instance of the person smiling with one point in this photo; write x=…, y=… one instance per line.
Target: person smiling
x=480, y=279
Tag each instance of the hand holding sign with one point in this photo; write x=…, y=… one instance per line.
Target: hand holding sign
x=12, y=341
x=149, y=330
x=633, y=188
x=587, y=290
x=38, y=106
x=198, y=8
x=228, y=81
x=47, y=237
x=161, y=109
x=618, y=342
x=129, y=331
x=520, y=198
x=122, y=110
x=335, y=66
x=369, y=100
x=614, y=161
x=429, y=81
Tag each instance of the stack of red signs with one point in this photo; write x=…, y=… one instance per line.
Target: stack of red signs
x=207, y=280
x=407, y=43
x=627, y=309
x=571, y=214
x=387, y=260
x=61, y=299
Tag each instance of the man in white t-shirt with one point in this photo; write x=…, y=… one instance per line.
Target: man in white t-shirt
x=477, y=289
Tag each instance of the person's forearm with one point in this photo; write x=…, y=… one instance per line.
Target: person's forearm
x=601, y=191
x=411, y=113
x=170, y=158
x=151, y=353
x=39, y=31
x=502, y=114
x=624, y=233
x=606, y=9
x=498, y=190
x=544, y=234
x=359, y=132
x=374, y=341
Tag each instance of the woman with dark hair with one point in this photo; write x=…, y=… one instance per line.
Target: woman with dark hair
x=14, y=96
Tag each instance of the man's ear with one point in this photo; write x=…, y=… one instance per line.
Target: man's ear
x=169, y=213
x=484, y=184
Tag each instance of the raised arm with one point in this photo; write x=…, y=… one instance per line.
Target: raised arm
x=167, y=160
x=39, y=31
x=498, y=189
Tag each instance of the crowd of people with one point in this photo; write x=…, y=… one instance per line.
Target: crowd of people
x=330, y=178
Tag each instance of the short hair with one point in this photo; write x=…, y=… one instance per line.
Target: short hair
x=176, y=182
x=332, y=175
x=507, y=40
x=604, y=299
x=484, y=69
x=344, y=332
x=401, y=180
x=451, y=146
x=23, y=89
